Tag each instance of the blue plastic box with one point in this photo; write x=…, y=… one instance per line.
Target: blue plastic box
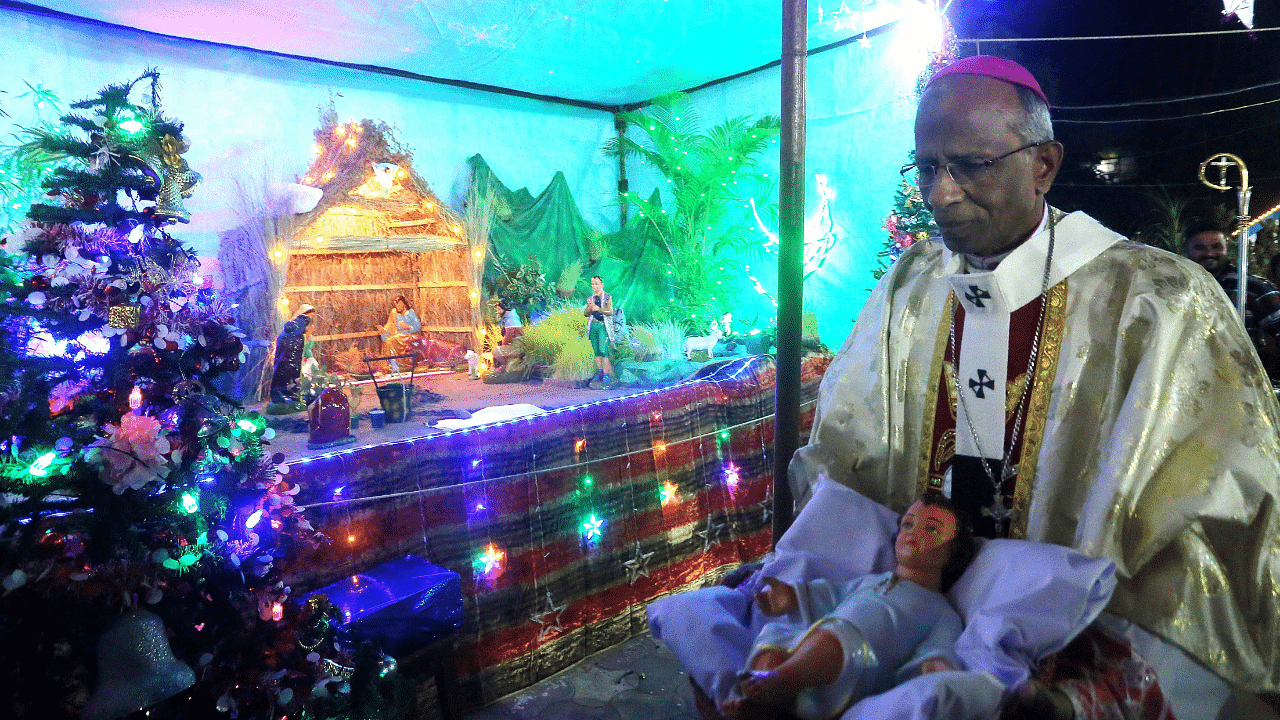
x=402, y=605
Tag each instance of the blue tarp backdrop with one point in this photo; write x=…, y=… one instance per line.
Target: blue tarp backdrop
x=250, y=116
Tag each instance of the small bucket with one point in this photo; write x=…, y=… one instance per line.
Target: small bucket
x=391, y=398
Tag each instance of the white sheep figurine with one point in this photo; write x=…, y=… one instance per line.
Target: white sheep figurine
x=706, y=342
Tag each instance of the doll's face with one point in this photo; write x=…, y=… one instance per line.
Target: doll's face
x=924, y=539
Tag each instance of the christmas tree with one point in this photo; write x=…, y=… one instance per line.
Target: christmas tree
x=127, y=482
x=909, y=222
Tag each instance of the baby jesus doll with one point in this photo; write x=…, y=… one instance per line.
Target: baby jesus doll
x=841, y=644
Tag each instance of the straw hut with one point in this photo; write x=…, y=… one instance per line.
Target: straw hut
x=377, y=232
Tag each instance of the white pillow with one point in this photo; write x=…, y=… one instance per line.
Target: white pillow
x=1022, y=600
x=838, y=536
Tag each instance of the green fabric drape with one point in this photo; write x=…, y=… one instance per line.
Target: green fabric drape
x=550, y=228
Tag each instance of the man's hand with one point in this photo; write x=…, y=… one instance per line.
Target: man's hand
x=779, y=599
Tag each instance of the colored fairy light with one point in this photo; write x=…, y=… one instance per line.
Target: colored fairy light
x=351, y=539
x=135, y=398
x=131, y=126
x=579, y=445
x=670, y=493
x=253, y=520
x=593, y=528
x=490, y=562
x=588, y=481
x=277, y=611
x=40, y=468
x=732, y=474
x=247, y=425
x=190, y=505
x=723, y=435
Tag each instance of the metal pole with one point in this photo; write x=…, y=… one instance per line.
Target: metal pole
x=1242, y=228
x=621, y=126
x=786, y=436
x=1223, y=162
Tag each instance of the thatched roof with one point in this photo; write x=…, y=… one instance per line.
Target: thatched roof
x=372, y=198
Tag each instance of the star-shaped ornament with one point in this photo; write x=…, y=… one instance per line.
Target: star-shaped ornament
x=711, y=534
x=492, y=558
x=549, y=627
x=593, y=527
x=637, y=566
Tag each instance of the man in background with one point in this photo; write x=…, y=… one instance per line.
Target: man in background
x=1208, y=246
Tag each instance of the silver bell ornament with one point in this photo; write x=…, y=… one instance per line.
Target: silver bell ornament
x=136, y=668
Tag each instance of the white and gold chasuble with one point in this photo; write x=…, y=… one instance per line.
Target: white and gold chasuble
x=1149, y=434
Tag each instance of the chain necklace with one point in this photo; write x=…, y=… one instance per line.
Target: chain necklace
x=1009, y=469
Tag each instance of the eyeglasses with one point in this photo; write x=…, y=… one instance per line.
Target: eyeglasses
x=963, y=172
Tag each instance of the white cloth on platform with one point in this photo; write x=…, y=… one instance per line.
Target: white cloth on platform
x=496, y=413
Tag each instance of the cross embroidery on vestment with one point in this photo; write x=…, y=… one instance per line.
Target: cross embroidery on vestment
x=982, y=384
x=976, y=295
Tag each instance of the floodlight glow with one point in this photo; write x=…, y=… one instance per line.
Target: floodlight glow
x=921, y=36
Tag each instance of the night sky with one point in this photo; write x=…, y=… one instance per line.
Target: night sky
x=1167, y=153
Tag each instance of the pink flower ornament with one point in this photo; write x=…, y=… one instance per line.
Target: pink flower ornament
x=133, y=454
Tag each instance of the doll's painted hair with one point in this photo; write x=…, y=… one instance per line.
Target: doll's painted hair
x=963, y=547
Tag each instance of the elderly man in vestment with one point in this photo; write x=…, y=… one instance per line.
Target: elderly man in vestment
x=1067, y=386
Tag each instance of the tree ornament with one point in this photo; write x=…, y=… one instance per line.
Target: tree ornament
x=174, y=179
x=136, y=668
x=124, y=316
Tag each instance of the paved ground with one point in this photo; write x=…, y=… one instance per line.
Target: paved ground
x=637, y=680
